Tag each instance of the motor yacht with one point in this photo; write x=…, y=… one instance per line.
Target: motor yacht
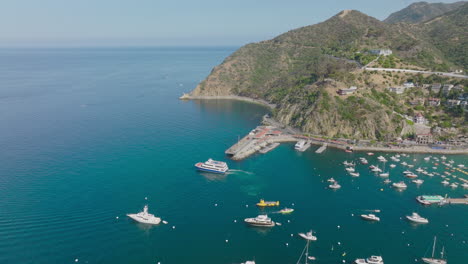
x=145, y=217
x=370, y=217
x=370, y=260
x=400, y=185
x=416, y=218
x=260, y=220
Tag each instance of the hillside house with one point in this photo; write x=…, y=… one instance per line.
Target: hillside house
x=458, y=88
x=446, y=88
x=419, y=119
x=453, y=102
x=417, y=101
x=435, y=88
x=424, y=139
x=408, y=85
x=382, y=52
x=433, y=101
x=397, y=90
x=348, y=91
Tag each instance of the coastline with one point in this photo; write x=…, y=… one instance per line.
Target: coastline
x=412, y=149
x=229, y=97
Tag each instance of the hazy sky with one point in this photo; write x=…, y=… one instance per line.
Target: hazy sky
x=168, y=22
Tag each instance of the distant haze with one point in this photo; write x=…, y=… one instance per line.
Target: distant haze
x=167, y=23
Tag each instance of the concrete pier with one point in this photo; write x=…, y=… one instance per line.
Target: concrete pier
x=322, y=148
x=257, y=140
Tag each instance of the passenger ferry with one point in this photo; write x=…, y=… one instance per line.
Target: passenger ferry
x=212, y=166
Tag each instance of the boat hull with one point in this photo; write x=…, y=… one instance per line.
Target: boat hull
x=434, y=261
x=256, y=224
x=200, y=168
x=152, y=221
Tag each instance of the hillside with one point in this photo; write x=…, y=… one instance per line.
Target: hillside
x=301, y=71
x=422, y=12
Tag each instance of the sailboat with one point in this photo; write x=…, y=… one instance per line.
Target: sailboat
x=305, y=253
x=384, y=174
x=433, y=260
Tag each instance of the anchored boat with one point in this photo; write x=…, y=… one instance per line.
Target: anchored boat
x=260, y=220
x=145, y=217
x=433, y=260
x=416, y=218
x=264, y=203
x=370, y=260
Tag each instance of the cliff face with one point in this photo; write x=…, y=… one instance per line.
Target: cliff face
x=300, y=71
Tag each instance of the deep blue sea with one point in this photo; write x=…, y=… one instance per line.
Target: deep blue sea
x=87, y=134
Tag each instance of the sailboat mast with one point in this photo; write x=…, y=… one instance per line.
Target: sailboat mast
x=433, y=246
x=442, y=253
x=307, y=251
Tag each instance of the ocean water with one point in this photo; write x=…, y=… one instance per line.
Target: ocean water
x=87, y=134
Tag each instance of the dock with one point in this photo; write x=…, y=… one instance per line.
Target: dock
x=322, y=148
x=457, y=200
x=269, y=148
x=261, y=139
x=305, y=147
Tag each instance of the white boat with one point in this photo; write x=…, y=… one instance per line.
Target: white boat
x=370, y=260
x=399, y=185
x=418, y=181
x=387, y=181
x=331, y=180
x=385, y=174
x=427, y=158
x=445, y=182
x=212, y=166
x=308, y=236
x=454, y=185
x=249, y=262
x=346, y=163
x=433, y=260
x=376, y=169
x=430, y=174
x=443, y=157
x=370, y=217
x=354, y=174
x=410, y=165
x=260, y=220
x=419, y=169
x=392, y=165
x=350, y=169
x=429, y=199
x=404, y=163
x=145, y=217
x=300, y=144
x=305, y=253
x=334, y=186
x=370, y=154
x=381, y=158
x=407, y=172
x=461, y=166
x=465, y=185
x=415, y=217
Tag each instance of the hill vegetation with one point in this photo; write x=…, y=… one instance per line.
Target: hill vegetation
x=301, y=71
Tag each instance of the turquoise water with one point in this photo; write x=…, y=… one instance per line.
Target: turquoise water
x=87, y=134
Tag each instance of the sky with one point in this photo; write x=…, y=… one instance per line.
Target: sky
x=169, y=22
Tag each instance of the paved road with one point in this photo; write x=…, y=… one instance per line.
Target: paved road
x=416, y=71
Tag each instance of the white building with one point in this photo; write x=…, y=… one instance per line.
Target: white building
x=419, y=119
x=383, y=52
x=397, y=90
x=408, y=85
x=446, y=88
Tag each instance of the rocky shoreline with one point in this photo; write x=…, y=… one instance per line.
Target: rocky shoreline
x=412, y=149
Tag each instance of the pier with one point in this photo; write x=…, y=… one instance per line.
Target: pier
x=262, y=139
x=322, y=148
x=457, y=200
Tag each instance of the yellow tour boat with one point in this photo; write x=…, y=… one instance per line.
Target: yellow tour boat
x=262, y=203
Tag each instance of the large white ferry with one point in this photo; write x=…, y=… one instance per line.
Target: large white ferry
x=212, y=166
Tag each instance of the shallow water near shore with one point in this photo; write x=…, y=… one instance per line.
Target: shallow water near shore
x=87, y=134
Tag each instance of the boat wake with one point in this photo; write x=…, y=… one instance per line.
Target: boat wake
x=239, y=171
